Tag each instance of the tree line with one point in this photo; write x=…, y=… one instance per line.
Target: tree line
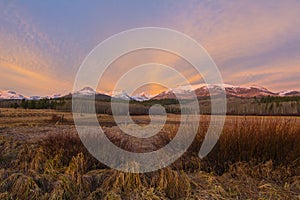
x=39, y=104
x=268, y=105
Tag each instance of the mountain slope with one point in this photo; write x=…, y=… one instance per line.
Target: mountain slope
x=202, y=90
x=289, y=93
x=121, y=95
x=7, y=94
x=88, y=92
x=141, y=97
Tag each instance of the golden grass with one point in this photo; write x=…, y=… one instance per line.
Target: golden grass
x=255, y=158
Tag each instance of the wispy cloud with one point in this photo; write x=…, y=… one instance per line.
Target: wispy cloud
x=243, y=36
x=251, y=43
x=29, y=81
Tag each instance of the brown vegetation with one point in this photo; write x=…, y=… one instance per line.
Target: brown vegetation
x=255, y=158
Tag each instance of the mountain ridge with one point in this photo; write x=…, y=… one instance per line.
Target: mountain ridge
x=183, y=92
x=203, y=90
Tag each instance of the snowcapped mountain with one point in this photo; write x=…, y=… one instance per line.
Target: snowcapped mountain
x=34, y=98
x=14, y=95
x=86, y=91
x=289, y=93
x=125, y=96
x=7, y=94
x=182, y=92
x=54, y=96
x=121, y=95
x=141, y=97
x=202, y=90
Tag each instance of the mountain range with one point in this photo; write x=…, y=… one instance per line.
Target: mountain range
x=182, y=92
x=8, y=94
x=202, y=90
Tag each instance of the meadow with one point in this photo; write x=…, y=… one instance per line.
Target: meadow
x=42, y=157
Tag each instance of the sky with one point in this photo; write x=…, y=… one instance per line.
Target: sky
x=43, y=43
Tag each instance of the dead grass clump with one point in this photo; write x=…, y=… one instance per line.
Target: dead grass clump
x=25, y=155
x=129, y=143
x=112, y=196
x=265, y=180
x=124, y=182
x=265, y=171
x=188, y=162
x=164, y=184
x=63, y=188
x=9, y=149
x=76, y=170
x=255, y=140
x=175, y=184
x=21, y=186
x=54, y=155
x=38, y=161
x=96, y=194
x=44, y=181
x=54, y=165
x=77, y=166
x=62, y=147
x=3, y=174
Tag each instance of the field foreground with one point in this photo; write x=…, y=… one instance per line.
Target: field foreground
x=42, y=157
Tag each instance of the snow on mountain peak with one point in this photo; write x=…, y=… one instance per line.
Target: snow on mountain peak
x=183, y=91
x=8, y=94
x=86, y=91
x=120, y=95
x=141, y=97
x=259, y=88
x=204, y=90
x=289, y=93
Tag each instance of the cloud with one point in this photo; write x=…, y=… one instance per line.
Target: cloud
x=26, y=48
x=31, y=83
x=243, y=36
x=251, y=43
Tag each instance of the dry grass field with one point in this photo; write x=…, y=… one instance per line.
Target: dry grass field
x=42, y=157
